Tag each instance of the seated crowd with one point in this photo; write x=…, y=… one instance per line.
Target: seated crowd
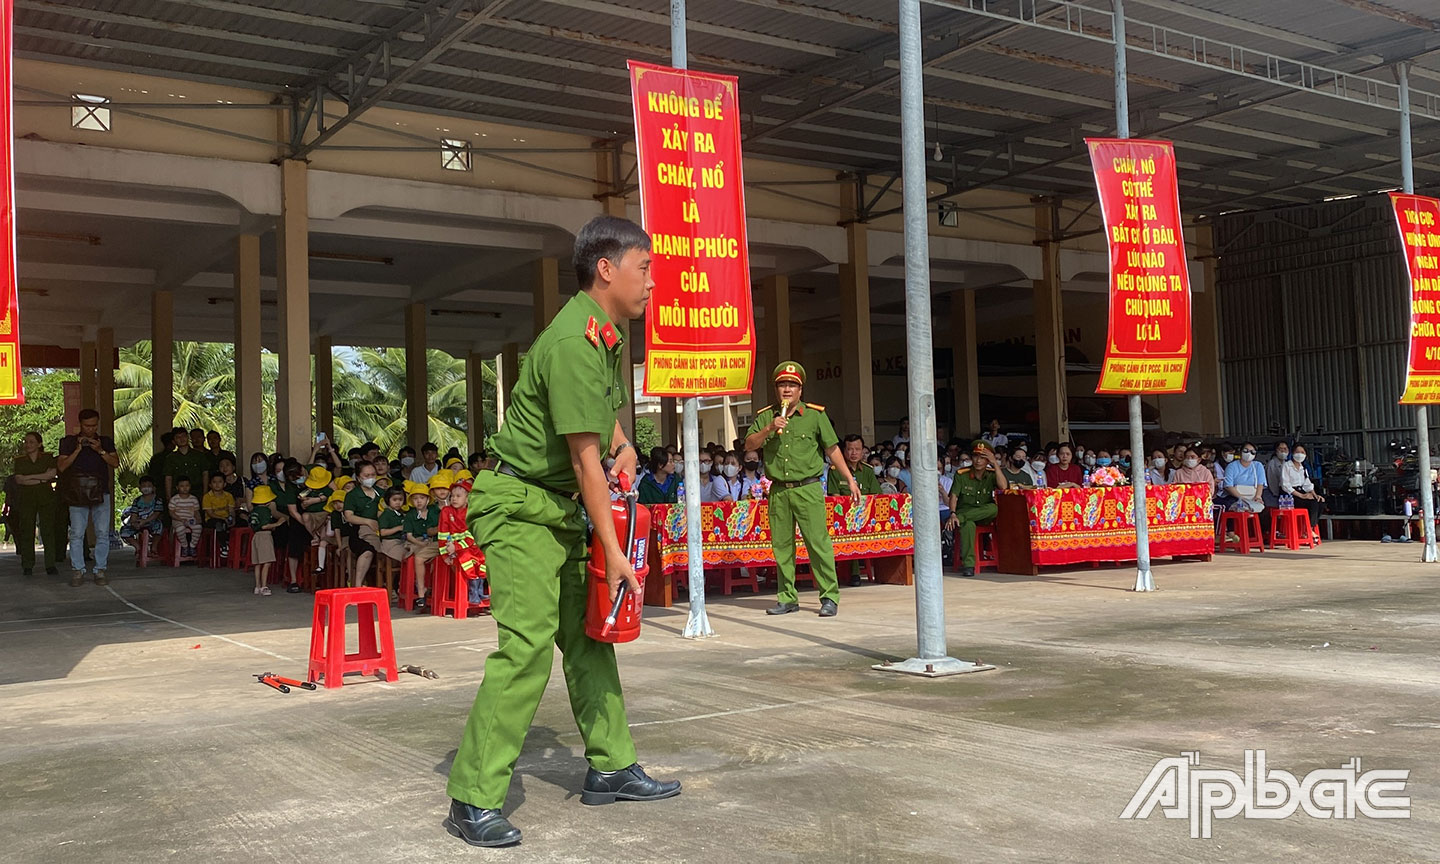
x=363, y=507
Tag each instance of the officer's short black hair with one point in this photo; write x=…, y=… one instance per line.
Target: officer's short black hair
x=605, y=237
x=849, y=438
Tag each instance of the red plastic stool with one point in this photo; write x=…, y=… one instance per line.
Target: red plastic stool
x=240, y=537
x=173, y=558
x=451, y=595
x=143, y=540
x=1295, y=529
x=327, y=635
x=210, y=548
x=983, y=533
x=1246, y=526
x=731, y=578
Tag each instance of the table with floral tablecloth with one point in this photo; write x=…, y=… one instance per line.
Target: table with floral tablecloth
x=737, y=534
x=1043, y=527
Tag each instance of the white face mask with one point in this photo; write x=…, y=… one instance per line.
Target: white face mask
x=407, y=461
x=1054, y=460
x=1227, y=458
x=258, y=467
x=705, y=467
x=1089, y=460
x=892, y=472
x=1282, y=455
x=367, y=482
x=966, y=463
x=878, y=469
x=732, y=470
x=1158, y=462
x=1038, y=465
x=1191, y=463
x=1247, y=457
x=1297, y=457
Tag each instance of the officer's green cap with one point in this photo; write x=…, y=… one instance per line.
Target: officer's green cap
x=790, y=371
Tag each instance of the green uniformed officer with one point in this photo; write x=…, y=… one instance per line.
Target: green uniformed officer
x=972, y=501
x=792, y=435
x=527, y=517
x=854, y=449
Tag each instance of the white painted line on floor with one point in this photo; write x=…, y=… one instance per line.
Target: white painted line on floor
x=433, y=645
x=60, y=618
x=749, y=710
x=70, y=627
x=197, y=629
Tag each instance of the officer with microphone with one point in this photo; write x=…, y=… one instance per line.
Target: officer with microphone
x=793, y=435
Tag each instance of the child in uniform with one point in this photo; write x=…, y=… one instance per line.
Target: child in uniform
x=459, y=545
x=219, y=507
x=392, y=525
x=311, y=504
x=263, y=520
x=422, y=524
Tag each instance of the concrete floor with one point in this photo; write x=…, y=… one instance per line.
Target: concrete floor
x=135, y=735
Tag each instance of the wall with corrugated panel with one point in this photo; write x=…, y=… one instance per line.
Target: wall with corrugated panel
x=1313, y=313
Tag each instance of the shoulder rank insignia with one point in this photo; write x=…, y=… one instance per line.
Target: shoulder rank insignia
x=592, y=331
x=609, y=335
x=813, y=405
x=763, y=410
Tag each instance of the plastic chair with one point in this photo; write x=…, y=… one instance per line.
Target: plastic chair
x=984, y=537
x=1246, y=526
x=451, y=595
x=732, y=577
x=240, y=537
x=1293, y=526
x=328, y=660
x=407, y=582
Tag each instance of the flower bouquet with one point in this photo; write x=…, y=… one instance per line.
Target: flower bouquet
x=761, y=489
x=1107, y=475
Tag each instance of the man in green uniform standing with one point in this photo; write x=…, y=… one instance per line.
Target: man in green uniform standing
x=526, y=515
x=836, y=484
x=972, y=501
x=792, y=436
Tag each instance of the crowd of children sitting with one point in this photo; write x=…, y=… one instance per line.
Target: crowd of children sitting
x=370, y=507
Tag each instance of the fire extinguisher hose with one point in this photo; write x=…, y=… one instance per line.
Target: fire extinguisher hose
x=629, y=555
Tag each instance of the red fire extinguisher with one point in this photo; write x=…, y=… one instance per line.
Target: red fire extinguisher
x=619, y=621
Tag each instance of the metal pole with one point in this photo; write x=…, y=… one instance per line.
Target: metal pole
x=697, y=626
x=1422, y=413
x=932, y=659
x=1138, y=456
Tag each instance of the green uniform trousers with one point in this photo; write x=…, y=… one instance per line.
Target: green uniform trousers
x=534, y=544
x=803, y=506
x=35, y=506
x=969, y=517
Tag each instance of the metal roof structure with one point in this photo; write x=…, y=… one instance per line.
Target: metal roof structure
x=1268, y=103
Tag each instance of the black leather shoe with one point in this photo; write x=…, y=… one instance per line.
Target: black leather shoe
x=828, y=609
x=629, y=784
x=967, y=572
x=783, y=609
x=855, y=581
x=480, y=827
x=294, y=588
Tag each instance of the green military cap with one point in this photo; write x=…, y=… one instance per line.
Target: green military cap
x=790, y=371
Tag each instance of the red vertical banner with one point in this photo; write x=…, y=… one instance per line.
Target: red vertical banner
x=700, y=326
x=11, y=392
x=1418, y=218
x=1148, y=346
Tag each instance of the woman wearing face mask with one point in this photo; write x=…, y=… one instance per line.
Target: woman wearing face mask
x=751, y=472
x=709, y=470
x=1016, y=469
x=1191, y=471
x=1156, y=473
x=726, y=484
x=1245, y=482
x=1063, y=473
x=259, y=476
x=890, y=482
x=1295, y=481
x=1275, y=466
x=362, y=521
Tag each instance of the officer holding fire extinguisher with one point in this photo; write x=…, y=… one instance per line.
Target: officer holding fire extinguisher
x=526, y=514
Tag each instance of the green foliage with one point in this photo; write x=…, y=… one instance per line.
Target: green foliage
x=43, y=408
x=646, y=436
x=370, y=401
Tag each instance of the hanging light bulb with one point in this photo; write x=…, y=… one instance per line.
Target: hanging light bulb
x=939, y=155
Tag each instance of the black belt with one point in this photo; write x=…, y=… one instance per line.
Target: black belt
x=502, y=468
x=794, y=484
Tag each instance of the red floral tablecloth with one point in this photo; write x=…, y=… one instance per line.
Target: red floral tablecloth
x=1069, y=526
x=737, y=533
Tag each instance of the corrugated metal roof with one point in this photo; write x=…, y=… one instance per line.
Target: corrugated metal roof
x=1007, y=99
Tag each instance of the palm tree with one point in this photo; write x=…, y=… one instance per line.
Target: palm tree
x=370, y=402
x=204, y=396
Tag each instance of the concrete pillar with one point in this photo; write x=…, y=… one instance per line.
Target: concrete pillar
x=856, y=368
x=773, y=340
x=105, y=378
x=1050, y=329
x=292, y=392
x=324, y=349
x=508, y=373
x=547, y=292
x=966, y=368
x=608, y=177
x=1204, y=385
x=475, y=400
x=162, y=365
x=87, y=373
x=669, y=423
x=249, y=388
x=417, y=377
